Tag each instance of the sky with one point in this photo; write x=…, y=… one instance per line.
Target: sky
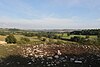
x=50, y=14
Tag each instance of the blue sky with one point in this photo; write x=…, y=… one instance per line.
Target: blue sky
x=50, y=14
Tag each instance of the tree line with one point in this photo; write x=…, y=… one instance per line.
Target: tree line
x=86, y=32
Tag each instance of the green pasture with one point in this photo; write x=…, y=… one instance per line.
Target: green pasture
x=64, y=35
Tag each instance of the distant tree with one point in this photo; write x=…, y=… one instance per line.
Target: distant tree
x=10, y=39
x=84, y=41
x=43, y=39
x=86, y=32
x=59, y=37
x=75, y=38
x=68, y=34
x=28, y=34
x=55, y=37
x=87, y=36
x=39, y=36
x=78, y=39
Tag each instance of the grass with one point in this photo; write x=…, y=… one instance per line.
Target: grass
x=7, y=50
x=34, y=38
x=2, y=38
x=18, y=37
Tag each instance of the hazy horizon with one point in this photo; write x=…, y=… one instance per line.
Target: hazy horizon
x=50, y=14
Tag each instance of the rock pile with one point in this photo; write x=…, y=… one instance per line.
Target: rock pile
x=51, y=50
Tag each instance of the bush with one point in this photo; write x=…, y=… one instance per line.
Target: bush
x=10, y=39
x=84, y=41
x=23, y=40
x=43, y=39
x=76, y=38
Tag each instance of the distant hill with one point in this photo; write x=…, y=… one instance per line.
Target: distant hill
x=39, y=30
x=58, y=30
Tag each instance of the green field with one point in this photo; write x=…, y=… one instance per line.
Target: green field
x=68, y=37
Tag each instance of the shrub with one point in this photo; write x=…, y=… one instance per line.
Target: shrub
x=10, y=39
x=23, y=40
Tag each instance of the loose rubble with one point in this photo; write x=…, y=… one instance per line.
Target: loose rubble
x=51, y=50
